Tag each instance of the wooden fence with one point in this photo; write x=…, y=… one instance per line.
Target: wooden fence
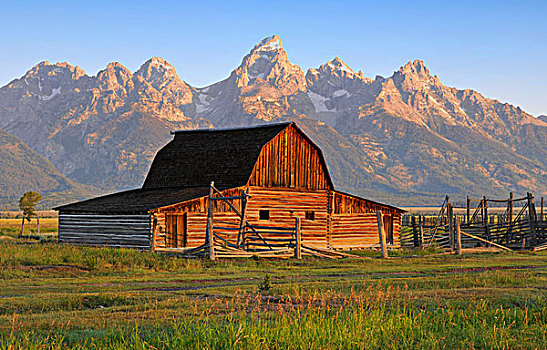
x=522, y=229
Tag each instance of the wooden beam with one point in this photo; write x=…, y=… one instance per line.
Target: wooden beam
x=209, y=229
x=533, y=218
x=298, y=245
x=382, y=234
x=468, y=209
x=450, y=228
x=485, y=241
x=458, y=237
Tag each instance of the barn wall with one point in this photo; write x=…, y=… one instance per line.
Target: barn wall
x=354, y=223
x=289, y=160
x=130, y=231
x=285, y=205
x=360, y=230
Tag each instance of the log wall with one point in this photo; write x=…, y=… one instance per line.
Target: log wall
x=285, y=205
x=355, y=231
x=130, y=231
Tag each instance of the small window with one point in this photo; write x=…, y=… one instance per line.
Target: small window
x=264, y=214
x=310, y=215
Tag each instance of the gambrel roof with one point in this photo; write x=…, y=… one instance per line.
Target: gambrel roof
x=197, y=157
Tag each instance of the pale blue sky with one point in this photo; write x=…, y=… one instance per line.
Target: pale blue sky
x=496, y=47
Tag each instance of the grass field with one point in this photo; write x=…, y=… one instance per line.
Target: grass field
x=60, y=297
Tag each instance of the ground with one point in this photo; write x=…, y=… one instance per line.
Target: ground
x=55, y=296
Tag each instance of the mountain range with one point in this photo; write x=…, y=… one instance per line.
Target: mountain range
x=406, y=139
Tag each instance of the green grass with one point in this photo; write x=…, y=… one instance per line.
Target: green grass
x=55, y=296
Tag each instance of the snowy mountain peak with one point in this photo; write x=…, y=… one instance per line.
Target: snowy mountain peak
x=338, y=66
x=268, y=63
x=272, y=43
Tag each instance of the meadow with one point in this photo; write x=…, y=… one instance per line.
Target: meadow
x=67, y=297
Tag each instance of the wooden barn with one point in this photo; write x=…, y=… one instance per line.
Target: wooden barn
x=216, y=184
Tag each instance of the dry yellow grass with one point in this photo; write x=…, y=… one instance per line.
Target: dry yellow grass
x=45, y=223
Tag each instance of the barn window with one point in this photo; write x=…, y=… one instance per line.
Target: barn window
x=264, y=214
x=310, y=215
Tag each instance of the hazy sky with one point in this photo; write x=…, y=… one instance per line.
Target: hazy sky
x=498, y=48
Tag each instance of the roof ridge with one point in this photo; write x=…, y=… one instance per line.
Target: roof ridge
x=233, y=128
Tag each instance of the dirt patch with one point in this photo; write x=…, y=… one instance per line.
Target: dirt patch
x=492, y=268
x=55, y=268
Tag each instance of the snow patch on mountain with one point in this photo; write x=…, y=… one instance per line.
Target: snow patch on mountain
x=202, y=104
x=54, y=92
x=341, y=92
x=318, y=102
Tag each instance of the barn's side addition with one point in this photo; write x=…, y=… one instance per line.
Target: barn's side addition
x=268, y=176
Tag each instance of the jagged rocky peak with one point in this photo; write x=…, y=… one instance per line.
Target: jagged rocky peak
x=414, y=72
x=337, y=68
x=268, y=63
x=157, y=68
x=162, y=76
x=272, y=43
x=58, y=73
x=46, y=68
x=115, y=77
x=335, y=79
x=45, y=81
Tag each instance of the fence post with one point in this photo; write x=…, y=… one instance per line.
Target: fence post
x=209, y=227
x=415, y=237
x=532, y=217
x=298, y=243
x=450, y=215
x=485, y=217
x=458, y=237
x=468, y=209
x=421, y=233
x=243, y=207
x=541, y=211
x=382, y=234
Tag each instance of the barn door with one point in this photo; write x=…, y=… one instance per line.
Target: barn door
x=176, y=231
x=171, y=231
x=388, y=227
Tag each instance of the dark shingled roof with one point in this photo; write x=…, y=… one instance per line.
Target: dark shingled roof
x=197, y=157
x=136, y=201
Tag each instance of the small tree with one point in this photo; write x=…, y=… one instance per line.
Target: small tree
x=27, y=204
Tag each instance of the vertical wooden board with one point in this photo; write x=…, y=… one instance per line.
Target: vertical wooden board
x=289, y=160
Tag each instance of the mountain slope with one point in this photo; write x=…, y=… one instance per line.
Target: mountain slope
x=23, y=170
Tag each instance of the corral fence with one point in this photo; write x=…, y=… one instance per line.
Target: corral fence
x=520, y=226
